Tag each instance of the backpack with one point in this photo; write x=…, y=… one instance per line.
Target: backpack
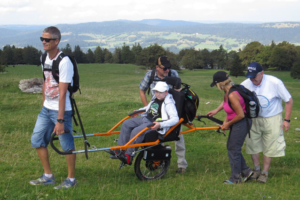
x=191, y=99
x=152, y=78
x=252, y=105
x=55, y=71
x=191, y=103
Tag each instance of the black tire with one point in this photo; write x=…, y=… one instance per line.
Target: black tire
x=147, y=170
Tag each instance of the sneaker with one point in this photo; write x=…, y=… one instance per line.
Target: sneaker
x=66, y=184
x=262, y=178
x=255, y=175
x=248, y=176
x=43, y=180
x=231, y=182
x=180, y=170
x=125, y=158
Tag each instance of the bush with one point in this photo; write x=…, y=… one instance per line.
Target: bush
x=2, y=68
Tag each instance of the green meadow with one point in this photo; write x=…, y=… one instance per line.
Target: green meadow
x=179, y=40
x=109, y=93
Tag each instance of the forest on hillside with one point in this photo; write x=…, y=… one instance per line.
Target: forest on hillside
x=281, y=56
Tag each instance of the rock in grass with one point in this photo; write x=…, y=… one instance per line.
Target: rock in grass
x=33, y=85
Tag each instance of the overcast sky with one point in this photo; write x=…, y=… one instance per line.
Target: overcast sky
x=52, y=12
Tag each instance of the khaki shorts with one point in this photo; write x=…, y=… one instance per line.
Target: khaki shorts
x=266, y=136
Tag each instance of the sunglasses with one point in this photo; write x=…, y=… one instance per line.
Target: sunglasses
x=47, y=39
x=165, y=69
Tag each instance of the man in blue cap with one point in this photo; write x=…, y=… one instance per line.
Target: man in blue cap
x=267, y=129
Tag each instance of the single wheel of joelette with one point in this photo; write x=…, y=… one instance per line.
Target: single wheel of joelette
x=147, y=170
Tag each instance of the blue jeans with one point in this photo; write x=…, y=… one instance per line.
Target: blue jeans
x=44, y=126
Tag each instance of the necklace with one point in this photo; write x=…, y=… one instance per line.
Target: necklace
x=54, y=55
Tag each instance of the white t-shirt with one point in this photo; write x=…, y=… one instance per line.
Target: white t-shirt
x=271, y=92
x=51, y=86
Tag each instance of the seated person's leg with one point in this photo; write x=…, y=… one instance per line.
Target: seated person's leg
x=126, y=129
x=127, y=157
x=139, y=139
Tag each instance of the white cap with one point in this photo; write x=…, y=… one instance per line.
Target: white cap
x=161, y=87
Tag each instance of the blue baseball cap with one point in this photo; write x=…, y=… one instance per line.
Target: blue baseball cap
x=253, y=69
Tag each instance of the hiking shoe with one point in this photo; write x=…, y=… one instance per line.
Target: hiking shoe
x=43, y=180
x=248, y=176
x=262, y=178
x=255, y=175
x=66, y=184
x=180, y=170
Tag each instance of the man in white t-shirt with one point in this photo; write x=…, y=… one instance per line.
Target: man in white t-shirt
x=267, y=130
x=266, y=133
x=56, y=114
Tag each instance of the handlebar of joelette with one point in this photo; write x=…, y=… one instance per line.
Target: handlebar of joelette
x=210, y=118
x=54, y=147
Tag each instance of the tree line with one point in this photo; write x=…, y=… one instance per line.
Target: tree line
x=281, y=56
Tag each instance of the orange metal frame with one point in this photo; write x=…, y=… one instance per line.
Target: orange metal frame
x=129, y=145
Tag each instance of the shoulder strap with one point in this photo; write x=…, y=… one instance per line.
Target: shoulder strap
x=151, y=79
x=55, y=68
x=233, y=88
x=43, y=59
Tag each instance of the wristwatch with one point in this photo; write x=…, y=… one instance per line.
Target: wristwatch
x=287, y=120
x=61, y=121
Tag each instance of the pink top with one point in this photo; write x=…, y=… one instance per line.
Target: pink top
x=231, y=113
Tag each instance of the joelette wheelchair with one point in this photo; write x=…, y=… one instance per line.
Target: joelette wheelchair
x=153, y=159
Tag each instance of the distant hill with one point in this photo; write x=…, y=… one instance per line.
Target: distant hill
x=162, y=22
x=175, y=35
x=22, y=27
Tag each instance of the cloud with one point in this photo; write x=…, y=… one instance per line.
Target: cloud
x=78, y=11
x=13, y=3
x=83, y=14
x=285, y=0
x=201, y=6
x=26, y=9
x=3, y=10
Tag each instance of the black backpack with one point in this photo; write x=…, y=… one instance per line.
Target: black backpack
x=191, y=103
x=251, y=101
x=191, y=99
x=55, y=71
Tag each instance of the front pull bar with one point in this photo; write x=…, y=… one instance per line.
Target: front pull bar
x=86, y=144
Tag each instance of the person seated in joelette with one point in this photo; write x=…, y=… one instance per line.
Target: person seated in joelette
x=161, y=111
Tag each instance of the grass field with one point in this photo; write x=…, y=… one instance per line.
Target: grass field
x=109, y=93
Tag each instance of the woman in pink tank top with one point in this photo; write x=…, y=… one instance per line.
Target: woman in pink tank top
x=236, y=122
